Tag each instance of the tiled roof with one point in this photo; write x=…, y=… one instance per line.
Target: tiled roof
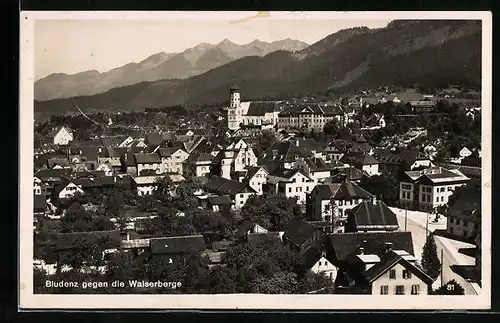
x=358, y=159
x=388, y=261
x=147, y=158
x=373, y=216
x=52, y=174
x=252, y=171
x=260, y=108
x=344, y=244
x=436, y=175
x=219, y=200
x=203, y=157
x=345, y=190
x=285, y=152
x=135, y=243
x=221, y=185
x=298, y=231
x=177, y=244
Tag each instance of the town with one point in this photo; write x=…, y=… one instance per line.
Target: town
x=376, y=192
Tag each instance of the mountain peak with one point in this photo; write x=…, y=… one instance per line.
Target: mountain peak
x=226, y=42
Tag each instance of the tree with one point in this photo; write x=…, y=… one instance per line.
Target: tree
x=430, y=260
x=385, y=186
x=273, y=212
x=450, y=288
x=331, y=128
x=164, y=189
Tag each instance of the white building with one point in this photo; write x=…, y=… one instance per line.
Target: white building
x=256, y=177
x=237, y=157
x=61, y=136
x=257, y=113
x=172, y=160
x=311, y=116
x=146, y=185
x=289, y=183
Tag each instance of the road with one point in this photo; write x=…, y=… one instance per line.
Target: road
x=416, y=223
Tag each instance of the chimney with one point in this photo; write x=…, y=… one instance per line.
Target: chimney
x=374, y=199
x=297, y=141
x=275, y=152
x=388, y=246
x=361, y=250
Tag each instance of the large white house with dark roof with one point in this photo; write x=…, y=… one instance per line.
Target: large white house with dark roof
x=427, y=189
x=311, y=116
x=260, y=114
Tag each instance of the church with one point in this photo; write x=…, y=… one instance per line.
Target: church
x=258, y=114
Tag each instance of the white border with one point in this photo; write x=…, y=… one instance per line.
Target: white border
x=238, y=301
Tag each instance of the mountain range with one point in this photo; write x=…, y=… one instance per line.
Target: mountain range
x=431, y=53
x=192, y=61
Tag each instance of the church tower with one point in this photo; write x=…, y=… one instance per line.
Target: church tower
x=233, y=111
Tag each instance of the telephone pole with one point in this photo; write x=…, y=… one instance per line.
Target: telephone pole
x=442, y=283
x=406, y=216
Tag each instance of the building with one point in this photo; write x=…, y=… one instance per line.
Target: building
x=256, y=177
x=61, y=136
x=300, y=235
x=428, y=189
x=148, y=163
x=175, y=250
x=235, y=158
x=258, y=114
x=172, y=160
x=363, y=161
x=283, y=155
x=464, y=214
x=289, y=183
x=146, y=185
x=38, y=186
x=311, y=116
x=371, y=216
x=315, y=260
x=238, y=191
x=329, y=201
x=422, y=106
x=392, y=274
x=197, y=165
x=66, y=189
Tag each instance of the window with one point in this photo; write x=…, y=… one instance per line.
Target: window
x=441, y=189
x=437, y=199
x=406, y=186
x=289, y=190
x=415, y=289
x=442, y=198
x=465, y=223
x=241, y=195
x=384, y=290
x=296, y=189
x=428, y=198
x=392, y=274
x=341, y=203
x=294, y=180
x=451, y=230
x=400, y=290
x=457, y=221
x=303, y=179
x=406, y=274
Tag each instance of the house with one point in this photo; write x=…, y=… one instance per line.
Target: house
x=61, y=136
x=283, y=155
x=39, y=205
x=235, y=158
x=256, y=114
x=335, y=150
x=371, y=216
x=351, y=173
x=428, y=189
x=176, y=249
x=300, y=235
x=112, y=157
x=58, y=163
x=329, y=201
x=66, y=189
x=172, y=160
x=315, y=260
x=394, y=162
x=106, y=168
x=238, y=191
x=311, y=116
x=197, y=165
x=256, y=177
x=394, y=275
x=146, y=185
x=216, y=203
x=464, y=153
x=150, y=163
x=343, y=251
x=362, y=160
x=316, y=168
x=250, y=227
x=288, y=183
x=360, y=145
x=38, y=187
x=51, y=177
x=464, y=215
x=184, y=135
x=128, y=163
x=121, y=141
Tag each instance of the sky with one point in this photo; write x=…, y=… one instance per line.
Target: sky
x=75, y=45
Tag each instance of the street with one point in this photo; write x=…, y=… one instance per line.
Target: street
x=416, y=223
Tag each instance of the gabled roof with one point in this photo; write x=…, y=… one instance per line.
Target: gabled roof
x=147, y=158
x=154, y=139
x=167, y=152
x=373, y=215
x=285, y=152
x=200, y=157
x=298, y=231
x=177, y=245
x=52, y=174
x=116, y=152
x=252, y=171
x=345, y=190
x=358, y=158
x=310, y=257
x=388, y=261
x=468, y=205
x=226, y=186
x=436, y=174
x=345, y=244
x=260, y=108
x=351, y=173
x=51, y=162
x=92, y=152
x=98, y=182
x=113, y=141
